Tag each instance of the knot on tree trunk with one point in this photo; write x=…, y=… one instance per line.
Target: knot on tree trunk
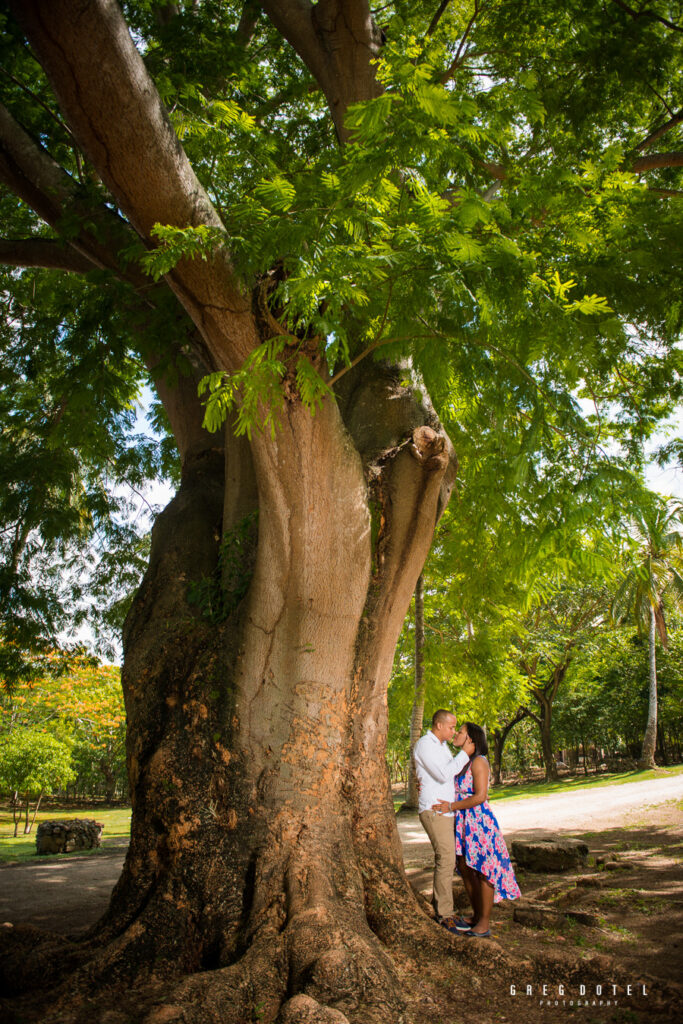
x=429, y=448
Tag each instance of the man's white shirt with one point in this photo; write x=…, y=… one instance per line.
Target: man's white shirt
x=436, y=768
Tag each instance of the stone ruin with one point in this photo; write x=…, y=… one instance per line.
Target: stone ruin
x=67, y=836
x=557, y=854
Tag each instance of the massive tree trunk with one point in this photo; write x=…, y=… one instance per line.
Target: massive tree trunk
x=417, y=715
x=263, y=829
x=264, y=859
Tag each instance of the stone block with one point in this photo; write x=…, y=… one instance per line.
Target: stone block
x=549, y=854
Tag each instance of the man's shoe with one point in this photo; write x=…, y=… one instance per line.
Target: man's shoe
x=477, y=935
x=462, y=925
x=450, y=924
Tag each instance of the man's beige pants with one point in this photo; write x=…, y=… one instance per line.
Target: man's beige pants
x=440, y=830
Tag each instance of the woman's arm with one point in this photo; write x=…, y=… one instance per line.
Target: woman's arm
x=480, y=777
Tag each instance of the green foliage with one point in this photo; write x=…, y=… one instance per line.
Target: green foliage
x=180, y=243
x=34, y=762
x=71, y=465
x=255, y=390
x=485, y=222
x=81, y=709
x=605, y=701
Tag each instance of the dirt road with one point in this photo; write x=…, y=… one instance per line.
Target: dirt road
x=69, y=894
x=580, y=811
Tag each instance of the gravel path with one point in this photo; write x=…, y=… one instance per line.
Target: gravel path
x=70, y=894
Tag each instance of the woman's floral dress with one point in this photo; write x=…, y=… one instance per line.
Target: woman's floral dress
x=478, y=838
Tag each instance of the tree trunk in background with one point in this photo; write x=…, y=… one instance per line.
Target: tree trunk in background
x=545, y=722
x=647, y=756
x=662, y=745
x=417, y=717
x=499, y=737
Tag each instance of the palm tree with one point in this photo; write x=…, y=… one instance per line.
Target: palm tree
x=653, y=582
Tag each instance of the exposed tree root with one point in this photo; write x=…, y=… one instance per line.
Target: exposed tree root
x=315, y=969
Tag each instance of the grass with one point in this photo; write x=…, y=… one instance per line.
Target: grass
x=567, y=785
x=525, y=790
x=116, y=821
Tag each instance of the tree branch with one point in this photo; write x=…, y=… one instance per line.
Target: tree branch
x=248, y=22
x=92, y=63
x=646, y=14
x=30, y=172
x=43, y=252
x=37, y=99
x=459, y=53
x=337, y=41
x=371, y=348
x=437, y=17
x=654, y=160
x=656, y=135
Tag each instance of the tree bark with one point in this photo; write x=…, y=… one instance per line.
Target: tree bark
x=647, y=755
x=264, y=858
x=337, y=41
x=499, y=737
x=417, y=715
x=545, y=725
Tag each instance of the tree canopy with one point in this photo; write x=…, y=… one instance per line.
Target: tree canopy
x=504, y=211
x=379, y=241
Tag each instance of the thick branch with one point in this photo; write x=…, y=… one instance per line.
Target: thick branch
x=29, y=171
x=42, y=252
x=95, y=69
x=337, y=40
x=654, y=160
x=248, y=22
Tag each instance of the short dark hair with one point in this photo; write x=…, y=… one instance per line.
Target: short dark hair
x=440, y=716
x=478, y=737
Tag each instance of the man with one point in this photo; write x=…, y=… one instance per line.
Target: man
x=436, y=768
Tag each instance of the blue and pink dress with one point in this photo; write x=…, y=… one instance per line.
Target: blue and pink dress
x=479, y=840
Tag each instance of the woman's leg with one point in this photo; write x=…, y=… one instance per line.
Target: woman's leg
x=469, y=880
x=485, y=895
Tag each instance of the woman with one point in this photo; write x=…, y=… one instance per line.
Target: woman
x=482, y=858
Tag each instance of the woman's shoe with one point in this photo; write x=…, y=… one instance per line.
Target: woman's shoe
x=478, y=935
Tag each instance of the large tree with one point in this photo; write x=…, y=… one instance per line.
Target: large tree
x=272, y=194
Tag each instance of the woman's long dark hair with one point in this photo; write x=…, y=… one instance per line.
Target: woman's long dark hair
x=478, y=737
x=481, y=747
